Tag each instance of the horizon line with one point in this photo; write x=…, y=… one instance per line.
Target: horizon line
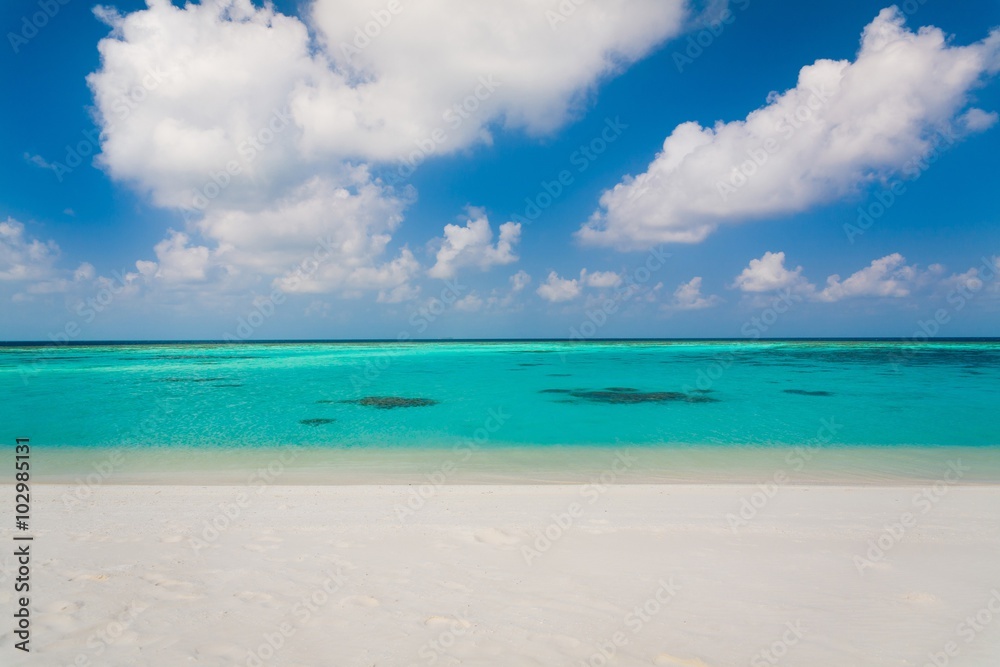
x=289, y=341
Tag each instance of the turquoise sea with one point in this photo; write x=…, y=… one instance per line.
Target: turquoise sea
x=522, y=394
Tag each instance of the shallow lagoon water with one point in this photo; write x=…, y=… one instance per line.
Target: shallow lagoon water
x=505, y=394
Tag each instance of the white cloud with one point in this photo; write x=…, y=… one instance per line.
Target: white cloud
x=688, y=296
x=889, y=276
x=769, y=273
x=23, y=258
x=401, y=272
x=432, y=55
x=84, y=272
x=845, y=125
x=601, y=279
x=31, y=265
x=472, y=245
x=519, y=281
x=969, y=281
x=177, y=261
x=556, y=289
x=470, y=303
x=886, y=277
x=264, y=128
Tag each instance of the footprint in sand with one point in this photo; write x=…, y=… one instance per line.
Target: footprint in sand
x=359, y=601
x=496, y=537
x=254, y=596
x=59, y=616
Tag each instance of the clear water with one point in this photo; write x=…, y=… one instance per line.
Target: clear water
x=730, y=393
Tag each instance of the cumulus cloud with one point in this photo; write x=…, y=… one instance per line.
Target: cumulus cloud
x=519, y=281
x=22, y=257
x=470, y=303
x=472, y=245
x=601, y=279
x=556, y=289
x=967, y=281
x=886, y=277
x=843, y=126
x=889, y=276
x=688, y=296
x=224, y=81
x=769, y=273
x=177, y=260
x=268, y=131
x=32, y=265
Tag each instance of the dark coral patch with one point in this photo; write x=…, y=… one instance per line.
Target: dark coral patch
x=698, y=398
x=554, y=391
x=193, y=379
x=316, y=421
x=632, y=397
x=629, y=389
x=389, y=402
x=804, y=392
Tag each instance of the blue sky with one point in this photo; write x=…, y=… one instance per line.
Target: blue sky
x=119, y=247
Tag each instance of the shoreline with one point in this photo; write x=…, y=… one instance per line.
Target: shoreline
x=549, y=465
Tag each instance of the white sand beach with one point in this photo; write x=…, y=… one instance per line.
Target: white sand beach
x=637, y=574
